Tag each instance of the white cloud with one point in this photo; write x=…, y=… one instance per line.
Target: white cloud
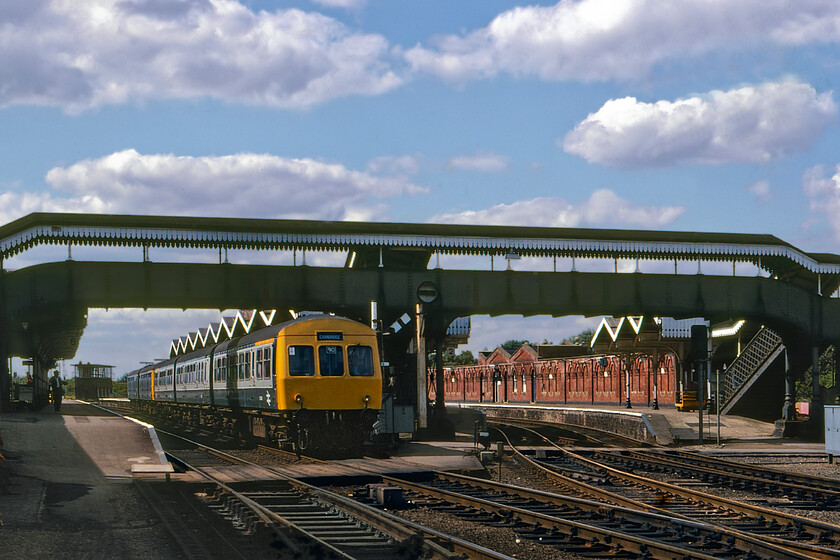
x=749, y=124
x=824, y=195
x=603, y=209
x=409, y=165
x=105, y=340
x=345, y=4
x=246, y=185
x=761, y=190
x=621, y=39
x=93, y=52
x=482, y=162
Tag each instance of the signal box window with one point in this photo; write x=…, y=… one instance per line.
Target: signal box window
x=360, y=360
x=301, y=360
x=331, y=359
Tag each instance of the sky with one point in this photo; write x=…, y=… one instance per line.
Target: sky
x=685, y=115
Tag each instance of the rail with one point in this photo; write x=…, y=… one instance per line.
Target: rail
x=399, y=530
x=813, y=539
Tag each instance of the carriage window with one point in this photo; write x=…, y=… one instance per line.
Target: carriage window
x=360, y=360
x=301, y=360
x=332, y=361
x=267, y=363
x=244, y=365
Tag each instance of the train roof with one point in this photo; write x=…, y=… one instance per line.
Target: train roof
x=250, y=338
x=274, y=330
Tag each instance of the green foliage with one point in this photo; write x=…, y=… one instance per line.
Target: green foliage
x=804, y=390
x=119, y=389
x=70, y=388
x=583, y=338
x=512, y=346
x=464, y=358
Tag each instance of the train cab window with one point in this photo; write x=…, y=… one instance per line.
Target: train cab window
x=301, y=360
x=331, y=359
x=360, y=360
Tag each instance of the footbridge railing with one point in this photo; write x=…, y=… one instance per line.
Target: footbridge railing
x=819, y=272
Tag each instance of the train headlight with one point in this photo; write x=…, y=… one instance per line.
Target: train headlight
x=367, y=399
x=299, y=398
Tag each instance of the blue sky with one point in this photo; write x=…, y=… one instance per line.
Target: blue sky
x=682, y=115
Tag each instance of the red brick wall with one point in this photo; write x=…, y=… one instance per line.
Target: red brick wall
x=587, y=380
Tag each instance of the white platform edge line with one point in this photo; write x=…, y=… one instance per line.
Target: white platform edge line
x=152, y=436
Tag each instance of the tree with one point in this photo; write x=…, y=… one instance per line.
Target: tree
x=464, y=358
x=583, y=338
x=804, y=388
x=512, y=346
x=118, y=388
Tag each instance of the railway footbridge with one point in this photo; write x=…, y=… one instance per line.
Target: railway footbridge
x=43, y=307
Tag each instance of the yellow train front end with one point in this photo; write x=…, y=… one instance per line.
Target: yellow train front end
x=329, y=380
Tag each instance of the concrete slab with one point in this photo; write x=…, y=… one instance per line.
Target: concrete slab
x=410, y=459
x=69, y=491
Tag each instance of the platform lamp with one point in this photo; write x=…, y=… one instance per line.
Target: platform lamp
x=627, y=367
x=656, y=387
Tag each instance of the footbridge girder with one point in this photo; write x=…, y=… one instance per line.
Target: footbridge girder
x=402, y=245
x=66, y=289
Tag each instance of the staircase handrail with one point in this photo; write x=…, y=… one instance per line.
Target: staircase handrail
x=753, y=357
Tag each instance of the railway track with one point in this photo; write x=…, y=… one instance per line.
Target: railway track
x=584, y=527
x=641, y=527
x=807, y=491
x=589, y=528
x=571, y=435
x=335, y=525
x=742, y=533
x=588, y=477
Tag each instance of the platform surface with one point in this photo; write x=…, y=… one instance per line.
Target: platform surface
x=68, y=491
x=672, y=427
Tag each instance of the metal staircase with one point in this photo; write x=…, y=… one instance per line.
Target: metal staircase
x=762, y=351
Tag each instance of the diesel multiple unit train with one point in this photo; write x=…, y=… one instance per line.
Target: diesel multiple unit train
x=312, y=384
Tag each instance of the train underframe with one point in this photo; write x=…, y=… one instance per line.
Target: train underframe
x=311, y=432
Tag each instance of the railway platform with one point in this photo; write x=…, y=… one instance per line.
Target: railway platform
x=666, y=426
x=65, y=486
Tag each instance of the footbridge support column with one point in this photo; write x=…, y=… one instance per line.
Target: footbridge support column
x=5, y=374
x=440, y=427
x=816, y=412
x=421, y=414
x=5, y=377
x=40, y=383
x=789, y=408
